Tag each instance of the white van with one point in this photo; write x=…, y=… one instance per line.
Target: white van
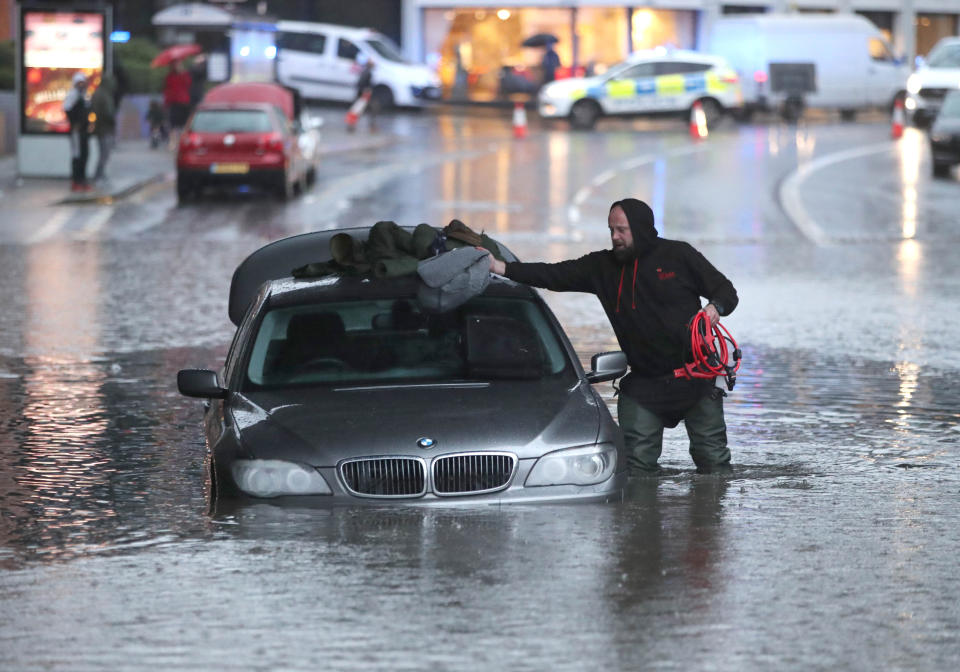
x=319, y=60
x=792, y=61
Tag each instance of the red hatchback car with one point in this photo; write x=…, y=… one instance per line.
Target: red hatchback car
x=246, y=134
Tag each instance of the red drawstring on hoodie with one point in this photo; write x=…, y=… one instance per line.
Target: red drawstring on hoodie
x=633, y=290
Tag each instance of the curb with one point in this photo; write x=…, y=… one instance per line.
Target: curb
x=106, y=198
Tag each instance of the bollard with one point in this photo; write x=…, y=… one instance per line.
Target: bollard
x=897, y=120
x=356, y=110
x=519, y=120
x=698, y=121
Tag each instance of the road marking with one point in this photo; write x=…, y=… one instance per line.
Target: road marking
x=791, y=200
x=95, y=224
x=53, y=225
x=582, y=194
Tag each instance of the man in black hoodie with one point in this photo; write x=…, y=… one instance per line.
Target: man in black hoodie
x=650, y=288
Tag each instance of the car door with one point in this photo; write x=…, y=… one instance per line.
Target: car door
x=679, y=83
x=304, y=64
x=630, y=90
x=345, y=71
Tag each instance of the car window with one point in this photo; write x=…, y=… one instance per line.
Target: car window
x=386, y=49
x=879, y=51
x=309, y=42
x=635, y=72
x=231, y=121
x=347, y=49
x=383, y=341
x=951, y=105
x=945, y=56
x=680, y=68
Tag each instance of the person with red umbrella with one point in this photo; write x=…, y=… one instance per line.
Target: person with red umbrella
x=176, y=86
x=176, y=98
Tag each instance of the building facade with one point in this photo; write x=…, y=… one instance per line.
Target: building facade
x=477, y=44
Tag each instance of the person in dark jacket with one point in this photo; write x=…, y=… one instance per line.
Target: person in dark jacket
x=650, y=289
x=77, y=108
x=105, y=122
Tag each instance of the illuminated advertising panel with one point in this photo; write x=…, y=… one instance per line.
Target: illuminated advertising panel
x=56, y=45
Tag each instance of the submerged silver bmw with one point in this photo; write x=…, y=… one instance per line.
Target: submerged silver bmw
x=342, y=389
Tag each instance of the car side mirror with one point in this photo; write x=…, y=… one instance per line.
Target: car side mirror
x=607, y=366
x=199, y=383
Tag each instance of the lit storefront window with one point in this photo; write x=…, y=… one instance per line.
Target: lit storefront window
x=480, y=55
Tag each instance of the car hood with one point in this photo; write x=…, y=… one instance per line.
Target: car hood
x=938, y=78
x=414, y=74
x=563, y=88
x=322, y=427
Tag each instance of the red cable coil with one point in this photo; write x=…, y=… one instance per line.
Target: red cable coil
x=711, y=352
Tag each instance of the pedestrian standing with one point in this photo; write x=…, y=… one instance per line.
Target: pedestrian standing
x=157, y=120
x=650, y=289
x=549, y=63
x=362, y=101
x=176, y=98
x=105, y=122
x=77, y=109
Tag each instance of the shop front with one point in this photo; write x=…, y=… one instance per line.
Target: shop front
x=480, y=54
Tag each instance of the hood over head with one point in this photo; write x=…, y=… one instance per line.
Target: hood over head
x=640, y=217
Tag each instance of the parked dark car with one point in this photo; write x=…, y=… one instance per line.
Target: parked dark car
x=945, y=136
x=341, y=388
x=247, y=134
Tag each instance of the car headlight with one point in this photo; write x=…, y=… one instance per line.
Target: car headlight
x=913, y=84
x=273, y=478
x=588, y=465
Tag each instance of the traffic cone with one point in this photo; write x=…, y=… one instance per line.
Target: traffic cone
x=359, y=105
x=519, y=120
x=897, y=120
x=698, y=121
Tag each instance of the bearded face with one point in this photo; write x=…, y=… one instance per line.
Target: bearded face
x=623, y=253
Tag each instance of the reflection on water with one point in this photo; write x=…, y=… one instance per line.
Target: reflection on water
x=828, y=455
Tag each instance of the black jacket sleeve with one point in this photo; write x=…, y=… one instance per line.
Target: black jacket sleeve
x=573, y=275
x=711, y=283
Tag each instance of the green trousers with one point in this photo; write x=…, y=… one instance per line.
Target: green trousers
x=706, y=429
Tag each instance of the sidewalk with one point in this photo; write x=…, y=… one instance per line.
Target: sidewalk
x=133, y=166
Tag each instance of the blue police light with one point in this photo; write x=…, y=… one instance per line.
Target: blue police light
x=120, y=36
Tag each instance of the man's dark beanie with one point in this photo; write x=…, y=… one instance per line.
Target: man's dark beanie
x=640, y=217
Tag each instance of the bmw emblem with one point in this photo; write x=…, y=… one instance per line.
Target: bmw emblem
x=425, y=442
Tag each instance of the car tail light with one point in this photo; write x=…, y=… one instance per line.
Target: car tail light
x=760, y=76
x=190, y=140
x=270, y=143
x=730, y=77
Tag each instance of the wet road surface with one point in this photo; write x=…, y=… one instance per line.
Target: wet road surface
x=833, y=546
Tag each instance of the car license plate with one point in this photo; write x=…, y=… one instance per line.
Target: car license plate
x=230, y=168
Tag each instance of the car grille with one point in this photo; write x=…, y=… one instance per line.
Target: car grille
x=933, y=94
x=385, y=476
x=472, y=473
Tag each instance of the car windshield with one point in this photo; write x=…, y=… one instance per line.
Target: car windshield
x=387, y=341
x=951, y=106
x=231, y=121
x=386, y=49
x=947, y=56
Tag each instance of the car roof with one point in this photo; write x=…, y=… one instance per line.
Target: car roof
x=311, y=27
x=664, y=54
x=252, y=92
x=276, y=260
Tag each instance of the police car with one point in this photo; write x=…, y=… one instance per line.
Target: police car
x=657, y=81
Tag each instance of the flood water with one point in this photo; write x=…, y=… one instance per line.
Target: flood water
x=832, y=546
